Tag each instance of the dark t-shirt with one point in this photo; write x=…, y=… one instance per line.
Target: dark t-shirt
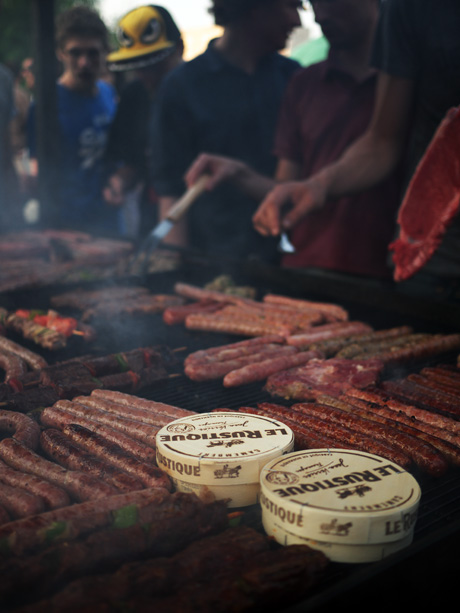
x=324, y=111
x=420, y=40
x=208, y=105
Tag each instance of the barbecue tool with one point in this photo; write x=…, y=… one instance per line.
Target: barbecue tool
x=159, y=232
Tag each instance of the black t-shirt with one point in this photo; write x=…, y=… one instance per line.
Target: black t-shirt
x=420, y=40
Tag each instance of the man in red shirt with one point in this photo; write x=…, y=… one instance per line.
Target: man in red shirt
x=326, y=107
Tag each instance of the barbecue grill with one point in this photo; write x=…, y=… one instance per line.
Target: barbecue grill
x=421, y=574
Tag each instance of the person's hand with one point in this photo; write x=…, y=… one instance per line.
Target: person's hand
x=218, y=168
x=114, y=191
x=273, y=215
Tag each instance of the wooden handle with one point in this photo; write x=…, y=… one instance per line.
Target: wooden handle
x=184, y=203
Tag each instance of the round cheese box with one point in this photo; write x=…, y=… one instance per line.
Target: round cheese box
x=222, y=451
x=339, y=496
x=336, y=552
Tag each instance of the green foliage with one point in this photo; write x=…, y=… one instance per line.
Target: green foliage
x=17, y=32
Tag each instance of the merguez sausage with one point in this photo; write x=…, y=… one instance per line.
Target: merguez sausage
x=424, y=455
x=142, y=403
x=328, y=331
x=53, y=417
x=151, y=476
x=60, y=449
x=343, y=435
x=79, y=485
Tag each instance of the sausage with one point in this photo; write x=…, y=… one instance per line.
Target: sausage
x=25, y=535
x=136, y=429
x=151, y=476
x=275, y=313
x=435, y=385
x=18, y=502
x=304, y=438
x=136, y=402
x=34, y=360
x=362, y=398
x=333, y=311
x=23, y=428
x=77, y=484
x=232, y=325
x=13, y=365
x=54, y=417
x=426, y=348
x=423, y=397
x=344, y=435
x=360, y=349
x=445, y=442
x=261, y=370
x=424, y=455
x=54, y=497
x=328, y=331
x=216, y=370
x=413, y=412
x=176, y=314
x=234, y=353
x=60, y=449
x=247, y=344
x=194, y=292
x=441, y=377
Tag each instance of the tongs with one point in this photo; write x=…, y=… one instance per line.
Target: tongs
x=155, y=237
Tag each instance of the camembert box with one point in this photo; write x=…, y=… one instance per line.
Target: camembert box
x=338, y=499
x=222, y=451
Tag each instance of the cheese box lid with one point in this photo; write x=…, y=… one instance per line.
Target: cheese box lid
x=340, y=496
x=222, y=448
x=336, y=552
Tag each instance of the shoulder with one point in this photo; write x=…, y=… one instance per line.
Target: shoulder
x=306, y=77
x=285, y=64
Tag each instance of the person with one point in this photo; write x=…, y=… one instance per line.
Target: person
x=418, y=58
x=150, y=46
x=225, y=101
x=325, y=108
x=86, y=108
x=28, y=75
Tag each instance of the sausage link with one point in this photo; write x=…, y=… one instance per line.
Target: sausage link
x=18, y=502
x=34, y=360
x=334, y=311
x=13, y=365
x=137, y=402
x=344, y=435
x=151, y=476
x=22, y=427
x=328, y=331
x=54, y=497
x=54, y=417
x=77, y=484
x=258, y=371
x=60, y=449
x=249, y=344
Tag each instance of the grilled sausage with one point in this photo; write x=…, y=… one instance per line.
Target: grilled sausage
x=423, y=454
x=77, y=484
x=137, y=402
x=54, y=417
x=34, y=360
x=343, y=434
x=328, y=331
x=151, y=476
x=333, y=311
x=60, y=449
x=23, y=428
x=216, y=370
x=14, y=366
x=247, y=344
x=261, y=370
x=18, y=502
x=54, y=497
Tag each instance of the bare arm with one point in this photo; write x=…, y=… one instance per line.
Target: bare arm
x=365, y=163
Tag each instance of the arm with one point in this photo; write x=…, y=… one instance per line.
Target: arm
x=365, y=163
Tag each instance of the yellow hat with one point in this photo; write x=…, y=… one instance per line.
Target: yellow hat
x=146, y=35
